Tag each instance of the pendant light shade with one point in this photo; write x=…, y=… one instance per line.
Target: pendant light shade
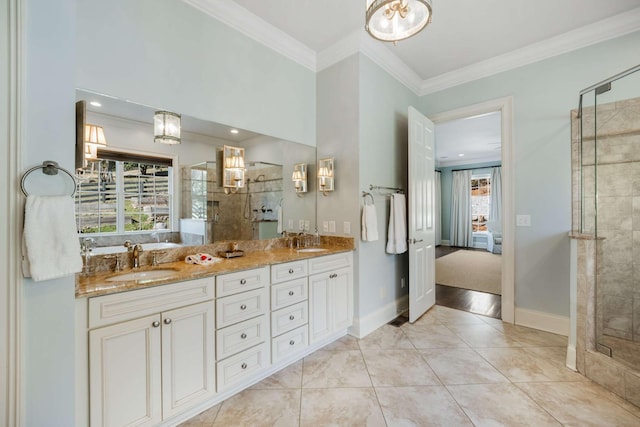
x=394, y=20
x=166, y=127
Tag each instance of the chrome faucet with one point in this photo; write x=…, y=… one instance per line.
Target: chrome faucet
x=156, y=235
x=135, y=251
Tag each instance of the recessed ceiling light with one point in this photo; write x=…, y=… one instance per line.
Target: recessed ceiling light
x=95, y=104
x=461, y=155
x=234, y=131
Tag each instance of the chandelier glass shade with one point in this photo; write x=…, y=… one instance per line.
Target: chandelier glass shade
x=166, y=127
x=395, y=20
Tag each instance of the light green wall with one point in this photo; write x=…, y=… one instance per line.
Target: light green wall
x=543, y=94
x=170, y=55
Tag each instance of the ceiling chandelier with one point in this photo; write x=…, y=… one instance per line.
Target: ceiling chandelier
x=394, y=20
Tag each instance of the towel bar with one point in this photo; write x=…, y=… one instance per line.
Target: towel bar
x=379, y=187
x=365, y=194
x=49, y=167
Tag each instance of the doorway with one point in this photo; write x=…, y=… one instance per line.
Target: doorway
x=502, y=108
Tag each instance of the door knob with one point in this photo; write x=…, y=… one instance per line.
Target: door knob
x=414, y=241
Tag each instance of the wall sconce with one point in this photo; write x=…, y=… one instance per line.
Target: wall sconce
x=325, y=175
x=299, y=178
x=93, y=137
x=232, y=168
x=166, y=127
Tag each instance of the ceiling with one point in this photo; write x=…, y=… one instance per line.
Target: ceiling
x=467, y=40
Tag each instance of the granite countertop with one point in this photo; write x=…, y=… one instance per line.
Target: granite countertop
x=96, y=284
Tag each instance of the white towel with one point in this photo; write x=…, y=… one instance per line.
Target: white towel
x=201, y=259
x=397, y=235
x=279, y=227
x=369, y=223
x=51, y=238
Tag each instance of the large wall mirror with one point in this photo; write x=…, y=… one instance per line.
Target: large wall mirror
x=129, y=185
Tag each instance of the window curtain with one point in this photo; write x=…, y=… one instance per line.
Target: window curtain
x=461, y=234
x=495, y=209
x=438, y=208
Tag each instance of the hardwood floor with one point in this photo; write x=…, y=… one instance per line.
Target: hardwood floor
x=463, y=299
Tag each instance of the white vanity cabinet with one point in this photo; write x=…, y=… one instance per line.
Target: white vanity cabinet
x=330, y=295
x=289, y=309
x=242, y=326
x=145, y=369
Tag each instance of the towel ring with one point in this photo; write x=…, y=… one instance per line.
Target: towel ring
x=49, y=167
x=365, y=194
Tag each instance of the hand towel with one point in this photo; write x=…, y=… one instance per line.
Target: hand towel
x=369, y=223
x=397, y=234
x=51, y=238
x=201, y=259
x=279, y=213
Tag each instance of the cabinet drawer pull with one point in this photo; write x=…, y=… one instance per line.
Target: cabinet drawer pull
x=167, y=321
x=243, y=335
x=155, y=324
x=243, y=307
x=292, y=342
x=291, y=317
x=290, y=293
x=333, y=276
x=291, y=271
x=243, y=366
x=243, y=281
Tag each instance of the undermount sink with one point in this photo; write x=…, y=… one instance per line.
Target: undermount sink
x=143, y=275
x=311, y=250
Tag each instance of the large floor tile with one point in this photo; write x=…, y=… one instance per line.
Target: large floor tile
x=398, y=368
x=203, y=419
x=483, y=335
x=520, y=365
x=500, y=405
x=534, y=338
x=345, y=343
x=451, y=316
x=428, y=318
x=580, y=404
x=324, y=369
x=253, y=408
x=340, y=407
x=387, y=336
x=289, y=377
x=433, y=336
x=420, y=406
x=462, y=366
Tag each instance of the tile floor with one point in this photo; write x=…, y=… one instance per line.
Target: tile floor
x=451, y=368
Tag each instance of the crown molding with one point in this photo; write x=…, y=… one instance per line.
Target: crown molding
x=249, y=24
x=242, y=20
x=607, y=29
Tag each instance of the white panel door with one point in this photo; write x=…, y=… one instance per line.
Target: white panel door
x=422, y=288
x=188, y=357
x=319, y=307
x=342, y=298
x=125, y=374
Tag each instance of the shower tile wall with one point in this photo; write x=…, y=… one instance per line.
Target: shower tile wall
x=618, y=213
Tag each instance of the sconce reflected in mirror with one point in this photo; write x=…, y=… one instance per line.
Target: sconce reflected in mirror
x=166, y=127
x=93, y=137
x=232, y=168
x=325, y=175
x=299, y=178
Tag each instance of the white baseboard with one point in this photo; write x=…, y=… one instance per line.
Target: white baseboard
x=544, y=321
x=571, y=358
x=445, y=243
x=364, y=326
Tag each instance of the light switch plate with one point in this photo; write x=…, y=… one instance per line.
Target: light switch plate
x=523, y=220
x=325, y=226
x=290, y=224
x=332, y=226
x=301, y=225
x=306, y=225
x=346, y=227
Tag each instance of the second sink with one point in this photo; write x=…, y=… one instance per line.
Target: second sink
x=311, y=250
x=143, y=275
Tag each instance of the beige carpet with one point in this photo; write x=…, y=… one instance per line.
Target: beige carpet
x=475, y=270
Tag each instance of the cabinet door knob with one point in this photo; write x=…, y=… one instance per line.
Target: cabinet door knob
x=291, y=317
x=243, y=366
x=292, y=342
x=290, y=293
x=291, y=271
x=243, y=281
x=155, y=324
x=167, y=321
x=333, y=276
x=243, y=307
x=243, y=335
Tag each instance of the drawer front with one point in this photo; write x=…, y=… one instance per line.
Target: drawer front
x=289, y=318
x=236, y=308
x=123, y=306
x=287, y=293
x=242, y=366
x=330, y=262
x=289, y=343
x=232, y=283
x=288, y=271
x=241, y=336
